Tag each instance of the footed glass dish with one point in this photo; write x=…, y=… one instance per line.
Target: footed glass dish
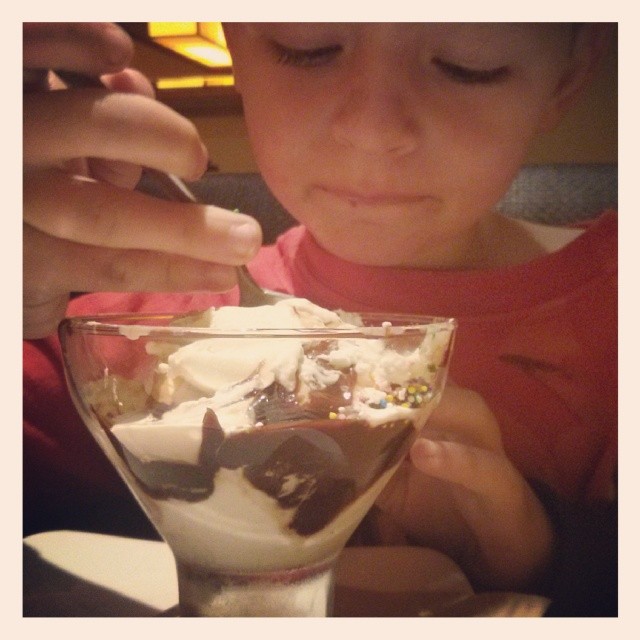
x=256, y=451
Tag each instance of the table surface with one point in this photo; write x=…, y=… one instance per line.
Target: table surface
x=81, y=574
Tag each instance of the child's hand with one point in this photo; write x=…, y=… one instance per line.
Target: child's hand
x=84, y=227
x=461, y=495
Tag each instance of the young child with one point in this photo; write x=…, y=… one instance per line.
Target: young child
x=391, y=145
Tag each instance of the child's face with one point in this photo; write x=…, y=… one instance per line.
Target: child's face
x=391, y=142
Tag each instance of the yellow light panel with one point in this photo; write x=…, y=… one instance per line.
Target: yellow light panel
x=202, y=42
x=158, y=29
x=198, y=49
x=195, y=82
x=214, y=32
x=180, y=83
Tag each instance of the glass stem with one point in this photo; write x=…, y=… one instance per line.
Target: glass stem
x=302, y=592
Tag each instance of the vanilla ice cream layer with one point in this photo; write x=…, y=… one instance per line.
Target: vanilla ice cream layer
x=241, y=529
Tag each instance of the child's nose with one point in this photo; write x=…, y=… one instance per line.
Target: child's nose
x=374, y=116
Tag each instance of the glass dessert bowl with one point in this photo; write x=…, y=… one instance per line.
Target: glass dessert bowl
x=256, y=439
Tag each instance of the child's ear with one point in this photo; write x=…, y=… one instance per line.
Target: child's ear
x=590, y=45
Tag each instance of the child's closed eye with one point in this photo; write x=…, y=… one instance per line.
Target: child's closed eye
x=468, y=75
x=305, y=57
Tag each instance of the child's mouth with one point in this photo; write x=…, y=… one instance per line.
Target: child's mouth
x=372, y=198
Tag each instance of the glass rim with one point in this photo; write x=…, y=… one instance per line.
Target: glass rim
x=140, y=325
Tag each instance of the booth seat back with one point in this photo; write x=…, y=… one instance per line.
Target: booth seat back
x=548, y=193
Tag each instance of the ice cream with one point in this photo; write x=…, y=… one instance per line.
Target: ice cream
x=263, y=452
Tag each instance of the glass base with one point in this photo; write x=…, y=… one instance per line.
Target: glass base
x=304, y=592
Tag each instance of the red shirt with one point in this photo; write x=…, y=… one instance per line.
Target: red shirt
x=537, y=340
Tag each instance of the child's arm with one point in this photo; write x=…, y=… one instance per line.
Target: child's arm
x=97, y=234
x=461, y=495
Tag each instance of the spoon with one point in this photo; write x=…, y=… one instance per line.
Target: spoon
x=251, y=293
x=174, y=189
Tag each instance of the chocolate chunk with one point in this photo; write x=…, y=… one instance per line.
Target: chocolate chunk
x=276, y=404
x=183, y=481
x=171, y=479
x=307, y=470
x=331, y=495
x=316, y=467
x=212, y=438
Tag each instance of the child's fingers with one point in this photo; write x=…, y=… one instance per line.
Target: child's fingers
x=122, y=174
x=94, y=47
x=41, y=314
x=60, y=125
x=92, y=213
x=497, y=512
x=129, y=81
x=115, y=172
x=462, y=415
x=481, y=472
x=53, y=266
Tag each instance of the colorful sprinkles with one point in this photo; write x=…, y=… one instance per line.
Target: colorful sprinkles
x=412, y=396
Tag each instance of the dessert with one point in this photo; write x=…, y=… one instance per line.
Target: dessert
x=260, y=452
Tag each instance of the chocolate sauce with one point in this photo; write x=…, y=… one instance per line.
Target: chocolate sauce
x=315, y=466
